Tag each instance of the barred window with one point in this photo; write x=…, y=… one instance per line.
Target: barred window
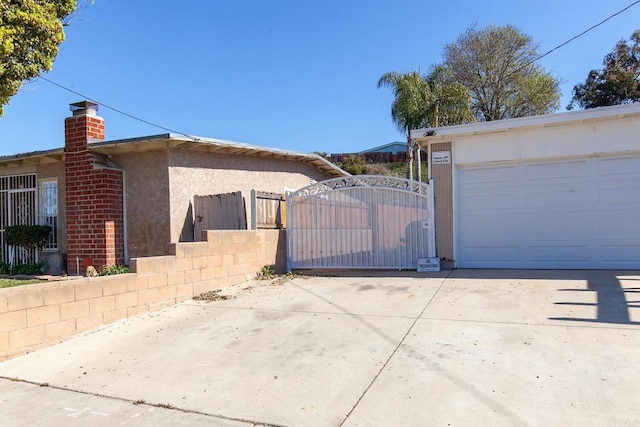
x=49, y=210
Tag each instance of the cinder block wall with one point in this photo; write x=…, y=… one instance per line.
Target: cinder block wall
x=34, y=316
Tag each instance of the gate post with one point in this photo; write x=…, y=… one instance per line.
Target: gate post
x=432, y=220
x=288, y=232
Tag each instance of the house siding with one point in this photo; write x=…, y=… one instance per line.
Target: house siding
x=147, y=202
x=442, y=175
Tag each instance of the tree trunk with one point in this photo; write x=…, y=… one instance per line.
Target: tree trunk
x=409, y=156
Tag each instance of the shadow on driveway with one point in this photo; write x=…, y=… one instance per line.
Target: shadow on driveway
x=613, y=290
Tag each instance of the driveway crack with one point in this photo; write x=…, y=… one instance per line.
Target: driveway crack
x=395, y=350
x=141, y=402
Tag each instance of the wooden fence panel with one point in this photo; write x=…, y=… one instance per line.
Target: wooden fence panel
x=270, y=210
x=219, y=212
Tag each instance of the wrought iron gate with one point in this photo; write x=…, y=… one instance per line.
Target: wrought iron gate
x=360, y=221
x=17, y=207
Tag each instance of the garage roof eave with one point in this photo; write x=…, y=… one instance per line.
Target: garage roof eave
x=426, y=135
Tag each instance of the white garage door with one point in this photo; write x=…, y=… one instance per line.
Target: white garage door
x=566, y=214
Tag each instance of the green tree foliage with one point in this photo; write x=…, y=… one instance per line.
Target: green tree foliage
x=617, y=83
x=496, y=65
x=418, y=100
x=30, y=33
x=449, y=102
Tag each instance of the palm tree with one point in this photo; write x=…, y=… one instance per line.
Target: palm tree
x=425, y=101
x=409, y=107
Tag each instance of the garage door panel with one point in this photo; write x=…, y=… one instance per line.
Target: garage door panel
x=489, y=201
x=555, y=198
x=556, y=171
x=490, y=252
x=547, y=226
x=552, y=253
x=618, y=225
x=561, y=214
x=480, y=176
x=620, y=166
x=481, y=225
x=612, y=195
x=620, y=252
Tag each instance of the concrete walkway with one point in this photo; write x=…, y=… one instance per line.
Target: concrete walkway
x=468, y=347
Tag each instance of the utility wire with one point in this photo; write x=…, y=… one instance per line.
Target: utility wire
x=117, y=110
x=196, y=139
x=575, y=37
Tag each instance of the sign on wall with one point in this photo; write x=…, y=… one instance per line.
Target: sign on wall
x=441, y=157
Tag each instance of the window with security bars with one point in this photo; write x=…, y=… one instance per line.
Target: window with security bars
x=49, y=211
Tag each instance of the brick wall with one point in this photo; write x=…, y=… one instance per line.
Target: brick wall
x=34, y=316
x=94, y=197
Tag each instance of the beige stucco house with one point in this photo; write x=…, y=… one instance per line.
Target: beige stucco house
x=110, y=201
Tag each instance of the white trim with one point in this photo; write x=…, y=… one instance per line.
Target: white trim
x=540, y=121
x=454, y=205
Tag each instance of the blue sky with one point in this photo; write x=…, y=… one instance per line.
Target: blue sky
x=298, y=75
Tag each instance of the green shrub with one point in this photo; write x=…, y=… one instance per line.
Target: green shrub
x=27, y=236
x=354, y=164
x=110, y=270
x=29, y=269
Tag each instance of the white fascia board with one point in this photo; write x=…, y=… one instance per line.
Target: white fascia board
x=424, y=136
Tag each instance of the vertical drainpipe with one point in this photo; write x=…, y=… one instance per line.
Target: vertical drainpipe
x=124, y=217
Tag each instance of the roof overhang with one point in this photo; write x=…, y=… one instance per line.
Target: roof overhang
x=171, y=141
x=35, y=158
x=424, y=136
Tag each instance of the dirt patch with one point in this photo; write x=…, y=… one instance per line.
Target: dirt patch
x=280, y=279
x=213, y=295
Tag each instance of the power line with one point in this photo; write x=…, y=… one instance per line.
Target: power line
x=88, y=98
x=585, y=32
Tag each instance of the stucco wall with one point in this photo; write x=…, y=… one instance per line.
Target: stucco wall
x=147, y=202
x=196, y=173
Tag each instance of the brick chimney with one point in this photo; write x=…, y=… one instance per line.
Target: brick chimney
x=94, y=195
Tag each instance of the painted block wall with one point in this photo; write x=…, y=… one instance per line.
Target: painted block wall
x=34, y=316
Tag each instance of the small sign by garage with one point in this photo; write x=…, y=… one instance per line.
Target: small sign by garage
x=441, y=157
x=428, y=264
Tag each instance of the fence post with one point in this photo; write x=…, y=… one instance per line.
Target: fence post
x=288, y=231
x=254, y=210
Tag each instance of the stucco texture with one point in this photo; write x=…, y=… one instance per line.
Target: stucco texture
x=146, y=203
x=200, y=174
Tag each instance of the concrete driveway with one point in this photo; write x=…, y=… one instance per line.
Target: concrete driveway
x=468, y=347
